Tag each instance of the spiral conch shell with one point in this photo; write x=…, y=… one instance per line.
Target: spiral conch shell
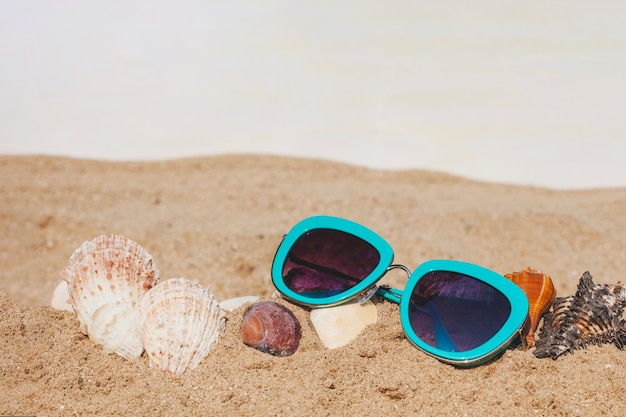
x=541, y=294
x=594, y=315
x=180, y=322
x=106, y=278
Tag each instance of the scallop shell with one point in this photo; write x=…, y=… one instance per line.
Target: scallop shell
x=106, y=278
x=541, y=294
x=592, y=315
x=180, y=322
x=271, y=328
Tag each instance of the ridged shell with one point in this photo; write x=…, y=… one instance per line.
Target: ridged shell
x=541, y=294
x=180, y=323
x=106, y=279
x=592, y=315
x=271, y=328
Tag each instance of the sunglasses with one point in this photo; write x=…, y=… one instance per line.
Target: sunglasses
x=460, y=313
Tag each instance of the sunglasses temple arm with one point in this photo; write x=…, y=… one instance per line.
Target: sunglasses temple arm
x=442, y=338
x=390, y=294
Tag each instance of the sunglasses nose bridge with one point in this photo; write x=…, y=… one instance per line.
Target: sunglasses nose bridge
x=399, y=266
x=390, y=294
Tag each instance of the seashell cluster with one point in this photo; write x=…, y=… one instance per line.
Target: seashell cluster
x=541, y=293
x=337, y=326
x=106, y=278
x=591, y=316
x=112, y=287
x=271, y=328
x=180, y=322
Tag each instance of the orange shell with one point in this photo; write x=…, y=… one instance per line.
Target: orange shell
x=541, y=294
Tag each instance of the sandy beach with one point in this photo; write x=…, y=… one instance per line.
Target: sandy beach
x=218, y=220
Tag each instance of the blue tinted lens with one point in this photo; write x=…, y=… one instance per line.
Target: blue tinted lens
x=455, y=312
x=326, y=262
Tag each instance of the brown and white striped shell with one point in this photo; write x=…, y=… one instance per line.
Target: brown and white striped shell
x=591, y=316
x=180, y=322
x=106, y=279
x=541, y=293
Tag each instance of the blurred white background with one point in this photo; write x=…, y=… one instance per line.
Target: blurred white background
x=507, y=91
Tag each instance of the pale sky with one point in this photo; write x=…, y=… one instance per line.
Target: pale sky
x=499, y=91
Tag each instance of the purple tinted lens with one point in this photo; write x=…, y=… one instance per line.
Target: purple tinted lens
x=325, y=262
x=455, y=312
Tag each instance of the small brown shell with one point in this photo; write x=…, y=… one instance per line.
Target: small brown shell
x=271, y=328
x=541, y=294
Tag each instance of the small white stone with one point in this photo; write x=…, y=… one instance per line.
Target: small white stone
x=60, y=298
x=233, y=304
x=338, y=326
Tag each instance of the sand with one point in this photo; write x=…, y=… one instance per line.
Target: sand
x=218, y=220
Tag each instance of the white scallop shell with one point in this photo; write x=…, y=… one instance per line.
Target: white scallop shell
x=107, y=277
x=180, y=323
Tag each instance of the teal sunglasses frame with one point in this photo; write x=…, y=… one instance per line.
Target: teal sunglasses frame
x=367, y=287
